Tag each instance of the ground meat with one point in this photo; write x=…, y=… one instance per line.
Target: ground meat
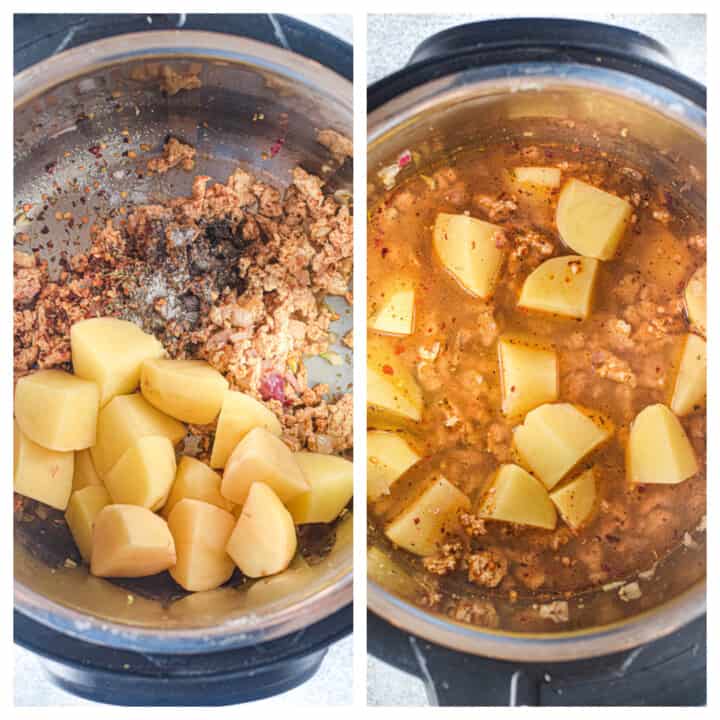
x=445, y=561
x=487, y=568
x=474, y=612
x=175, y=153
x=496, y=209
x=472, y=525
x=340, y=147
x=611, y=367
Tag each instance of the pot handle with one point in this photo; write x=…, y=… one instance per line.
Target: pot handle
x=545, y=33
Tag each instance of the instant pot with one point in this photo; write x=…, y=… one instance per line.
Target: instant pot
x=81, y=81
x=492, y=79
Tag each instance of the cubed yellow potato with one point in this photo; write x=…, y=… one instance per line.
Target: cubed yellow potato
x=262, y=457
x=85, y=474
x=264, y=539
x=388, y=457
x=123, y=421
x=395, y=314
x=658, y=450
x=515, y=496
x=57, y=410
x=330, y=479
x=111, y=352
x=554, y=438
x=696, y=299
x=201, y=531
x=130, y=541
x=561, y=286
x=41, y=474
x=690, y=386
x=425, y=524
x=529, y=376
x=591, y=221
x=576, y=500
x=189, y=390
x=240, y=413
x=541, y=177
x=80, y=515
x=470, y=251
x=195, y=480
x=144, y=473
x=391, y=388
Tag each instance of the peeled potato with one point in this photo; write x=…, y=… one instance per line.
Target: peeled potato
x=423, y=526
x=240, y=413
x=516, y=496
x=57, y=410
x=123, y=421
x=577, y=499
x=529, y=376
x=469, y=250
x=80, y=515
x=658, y=450
x=591, y=221
x=561, y=286
x=85, y=474
x=690, y=386
x=264, y=540
x=130, y=541
x=195, y=480
x=330, y=479
x=201, y=531
x=189, y=390
x=111, y=352
x=392, y=391
x=696, y=299
x=543, y=177
x=144, y=473
x=41, y=474
x=554, y=438
x=262, y=457
x=395, y=314
x=388, y=457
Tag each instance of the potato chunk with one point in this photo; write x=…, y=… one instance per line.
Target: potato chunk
x=659, y=451
x=195, y=480
x=542, y=177
x=57, y=410
x=690, y=386
x=80, y=515
x=144, y=473
x=529, y=376
x=111, y=352
x=262, y=457
x=395, y=314
x=554, y=438
x=85, y=474
x=470, y=251
x=189, y=390
x=201, y=531
x=123, y=421
x=696, y=299
x=424, y=525
x=591, y=221
x=41, y=474
x=240, y=413
x=264, y=540
x=561, y=286
x=388, y=457
x=576, y=500
x=330, y=479
x=130, y=541
x=391, y=388
x=515, y=496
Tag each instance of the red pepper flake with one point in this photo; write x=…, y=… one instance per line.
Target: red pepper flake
x=96, y=150
x=276, y=147
x=399, y=349
x=404, y=159
x=272, y=387
x=387, y=369
x=50, y=167
x=384, y=252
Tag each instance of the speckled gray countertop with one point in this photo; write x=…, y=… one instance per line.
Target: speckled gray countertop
x=391, y=41
x=333, y=683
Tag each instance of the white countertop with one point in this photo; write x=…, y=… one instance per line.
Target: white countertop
x=391, y=41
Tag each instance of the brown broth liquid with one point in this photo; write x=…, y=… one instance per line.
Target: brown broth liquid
x=638, y=318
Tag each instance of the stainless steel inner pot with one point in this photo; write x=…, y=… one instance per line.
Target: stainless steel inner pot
x=249, y=95
x=657, y=130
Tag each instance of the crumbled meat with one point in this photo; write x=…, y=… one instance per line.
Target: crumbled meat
x=497, y=209
x=472, y=525
x=340, y=147
x=611, y=367
x=174, y=153
x=557, y=611
x=445, y=561
x=487, y=568
x=474, y=612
